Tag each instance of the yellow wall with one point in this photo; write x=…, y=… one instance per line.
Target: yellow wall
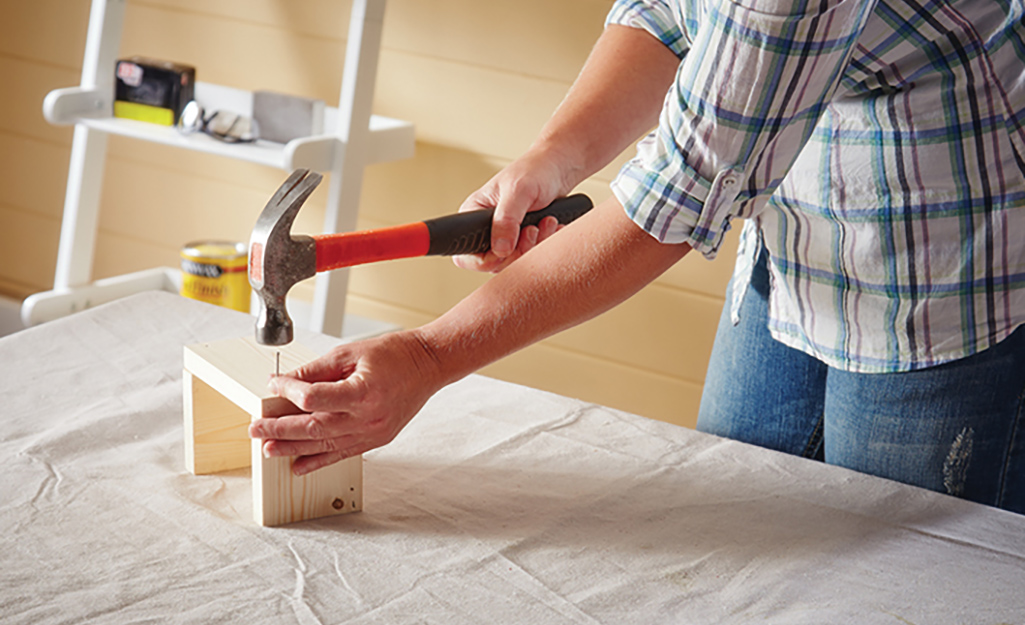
x=478, y=79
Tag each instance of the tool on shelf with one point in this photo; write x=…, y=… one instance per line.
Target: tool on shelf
x=278, y=259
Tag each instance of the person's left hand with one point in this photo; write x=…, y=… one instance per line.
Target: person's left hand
x=356, y=398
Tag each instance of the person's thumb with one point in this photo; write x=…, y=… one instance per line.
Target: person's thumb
x=505, y=225
x=334, y=366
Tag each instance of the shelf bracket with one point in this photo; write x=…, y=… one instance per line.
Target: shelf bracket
x=63, y=107
x=316, y=153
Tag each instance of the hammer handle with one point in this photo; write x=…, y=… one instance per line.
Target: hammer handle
x=470, y=232
x=461, y=233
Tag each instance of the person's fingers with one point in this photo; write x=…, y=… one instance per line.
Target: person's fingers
x=336, y=365
x=340, y=418
x=301, y=440
x=311, y=397
x=528, y=239
x=484, y=198
x=548, y=226
x=277, y=447
x=476, y=262
x=299, y=427
x=530, y=236
x=308, y=464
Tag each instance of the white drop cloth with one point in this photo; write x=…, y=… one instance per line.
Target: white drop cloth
x=498, y=504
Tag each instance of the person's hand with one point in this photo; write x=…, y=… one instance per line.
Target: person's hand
x=530, y=183
x=356, y=398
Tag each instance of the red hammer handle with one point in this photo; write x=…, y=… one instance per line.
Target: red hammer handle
x=461, y=233
x=335, y=251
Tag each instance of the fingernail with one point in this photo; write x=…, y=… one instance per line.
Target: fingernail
x=266, y=450
x=502, y=247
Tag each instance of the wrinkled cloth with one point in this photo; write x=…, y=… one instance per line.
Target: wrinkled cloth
x=497, y=504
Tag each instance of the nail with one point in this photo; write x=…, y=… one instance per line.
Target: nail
x=502, y=247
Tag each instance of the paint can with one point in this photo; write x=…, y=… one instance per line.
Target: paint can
x=215, y=272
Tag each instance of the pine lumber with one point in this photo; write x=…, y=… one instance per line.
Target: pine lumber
x=224, y=387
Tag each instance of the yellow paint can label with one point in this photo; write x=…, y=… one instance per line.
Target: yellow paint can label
x=215, y=272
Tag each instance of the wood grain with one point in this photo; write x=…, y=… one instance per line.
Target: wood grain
x=224, y=388
x=216, y=439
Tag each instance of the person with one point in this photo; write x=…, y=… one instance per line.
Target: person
x=874, y=151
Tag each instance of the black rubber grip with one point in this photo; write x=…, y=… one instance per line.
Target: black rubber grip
x=470, y=232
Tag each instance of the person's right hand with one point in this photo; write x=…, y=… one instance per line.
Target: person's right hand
x=530, y=183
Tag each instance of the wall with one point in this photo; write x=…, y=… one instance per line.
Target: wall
x=477, y=78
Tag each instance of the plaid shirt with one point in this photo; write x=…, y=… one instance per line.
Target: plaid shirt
x=874, y=148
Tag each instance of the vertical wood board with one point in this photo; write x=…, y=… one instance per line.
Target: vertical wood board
x=279, y=497
x=219, y=436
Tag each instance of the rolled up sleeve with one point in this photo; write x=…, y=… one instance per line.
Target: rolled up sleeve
x=746, y=98
x=657, y=18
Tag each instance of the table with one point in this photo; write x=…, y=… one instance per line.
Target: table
x=497, y=504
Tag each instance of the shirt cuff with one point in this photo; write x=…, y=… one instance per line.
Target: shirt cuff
x=653, y=16
x=686, y=209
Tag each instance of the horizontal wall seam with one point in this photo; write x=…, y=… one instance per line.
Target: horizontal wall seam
x=32, y=61
x=343, y=28
x=21, y=210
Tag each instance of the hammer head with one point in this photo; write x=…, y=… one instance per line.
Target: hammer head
x=277, y=260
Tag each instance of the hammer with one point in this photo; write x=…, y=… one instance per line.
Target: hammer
x=278, y=260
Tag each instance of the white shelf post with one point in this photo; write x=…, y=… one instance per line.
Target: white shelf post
x=88, y=151
x=357, y=95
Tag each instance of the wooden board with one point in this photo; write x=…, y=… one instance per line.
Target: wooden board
x=220, y=440
x=224, y=388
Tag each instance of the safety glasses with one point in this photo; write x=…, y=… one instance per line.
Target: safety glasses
x=222, y=125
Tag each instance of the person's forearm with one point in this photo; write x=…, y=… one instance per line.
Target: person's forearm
x=587, y=268
x=615, y=99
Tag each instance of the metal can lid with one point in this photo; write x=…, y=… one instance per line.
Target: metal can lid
x=215, y=249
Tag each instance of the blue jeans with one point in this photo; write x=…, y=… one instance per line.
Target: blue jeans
x=958, y=428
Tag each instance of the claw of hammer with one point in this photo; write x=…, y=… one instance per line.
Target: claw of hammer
x=278, y=260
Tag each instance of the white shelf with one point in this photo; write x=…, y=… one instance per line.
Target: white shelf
x=50, y=305
x=352, y=139
x=389, y=139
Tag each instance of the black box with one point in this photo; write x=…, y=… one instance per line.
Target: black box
x=152, y=91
